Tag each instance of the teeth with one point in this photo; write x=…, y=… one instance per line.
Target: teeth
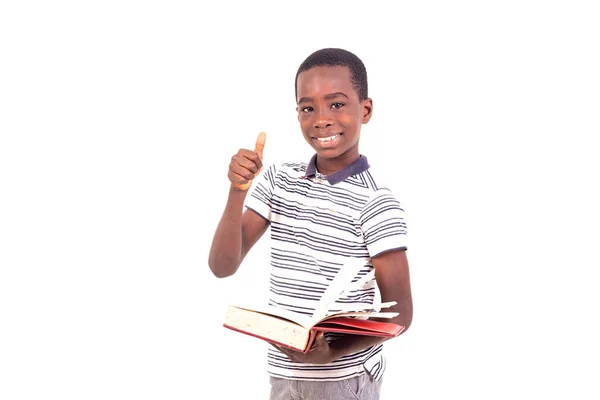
x=327, y=139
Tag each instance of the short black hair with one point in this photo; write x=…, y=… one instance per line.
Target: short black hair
x=333, y=57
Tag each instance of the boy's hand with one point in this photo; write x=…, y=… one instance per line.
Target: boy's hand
x=246, y=164
x=319, y=353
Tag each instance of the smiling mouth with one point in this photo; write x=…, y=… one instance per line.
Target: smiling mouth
x=328, y=138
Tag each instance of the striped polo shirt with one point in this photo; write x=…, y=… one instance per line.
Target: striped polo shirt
x=317, y=225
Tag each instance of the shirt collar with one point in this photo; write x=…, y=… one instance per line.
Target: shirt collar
x=358, y=166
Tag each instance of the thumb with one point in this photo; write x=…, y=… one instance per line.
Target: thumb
x=260, y=144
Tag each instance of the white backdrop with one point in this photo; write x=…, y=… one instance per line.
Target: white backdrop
x=117, y=123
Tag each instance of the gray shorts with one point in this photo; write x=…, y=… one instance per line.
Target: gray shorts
x=362, y=387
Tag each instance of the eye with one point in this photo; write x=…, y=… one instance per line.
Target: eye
x=306, y=109
x=337, y=105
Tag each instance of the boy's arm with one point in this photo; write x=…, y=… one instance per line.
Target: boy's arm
x=393, y=279
x=238, y=231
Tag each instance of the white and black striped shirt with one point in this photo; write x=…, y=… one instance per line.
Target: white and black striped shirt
x=317, y=224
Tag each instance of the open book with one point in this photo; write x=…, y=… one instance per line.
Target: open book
x=298, y=331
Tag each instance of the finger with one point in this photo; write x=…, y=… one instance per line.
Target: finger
x=243, y=172
x=260, y=144
x=289, y=352
x=318, y=337
x=246, y=161
x=237, y=179
x=274, y=345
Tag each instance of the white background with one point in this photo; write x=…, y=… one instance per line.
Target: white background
x=117, y=123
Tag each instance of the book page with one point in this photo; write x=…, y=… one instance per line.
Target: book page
x=300, y=319
x=340, y=283
x=361, y=307
x=363, y=314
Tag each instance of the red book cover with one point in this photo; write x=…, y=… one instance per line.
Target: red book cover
x=347, y=325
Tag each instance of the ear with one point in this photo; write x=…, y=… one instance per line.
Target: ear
x=297, y=114
x=367, y=110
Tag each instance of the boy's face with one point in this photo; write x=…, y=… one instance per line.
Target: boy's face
x=330, y=112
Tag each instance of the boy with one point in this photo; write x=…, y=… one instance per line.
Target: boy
x=322, y=213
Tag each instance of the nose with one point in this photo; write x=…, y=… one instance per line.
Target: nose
x=323, y=118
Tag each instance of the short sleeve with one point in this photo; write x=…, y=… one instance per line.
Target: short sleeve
x=261, y=195
x=383, y=223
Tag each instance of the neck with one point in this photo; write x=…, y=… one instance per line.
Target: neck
x=329, y=166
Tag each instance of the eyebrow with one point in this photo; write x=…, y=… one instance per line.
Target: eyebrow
x=327, y=97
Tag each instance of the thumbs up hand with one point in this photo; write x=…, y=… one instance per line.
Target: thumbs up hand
x=246, y=164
